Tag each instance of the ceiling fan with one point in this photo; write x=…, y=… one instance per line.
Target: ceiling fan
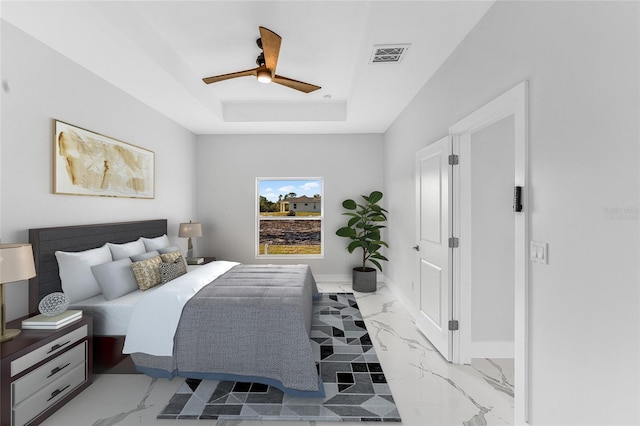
x=267, y=61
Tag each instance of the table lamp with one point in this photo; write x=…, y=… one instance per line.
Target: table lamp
x=16, y=264
x=190, y=230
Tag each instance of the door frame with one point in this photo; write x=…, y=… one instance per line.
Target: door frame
x=513, y=102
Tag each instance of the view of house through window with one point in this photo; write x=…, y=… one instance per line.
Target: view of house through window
x=290, y=217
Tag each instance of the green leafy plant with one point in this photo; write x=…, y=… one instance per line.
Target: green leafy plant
x=364, y=228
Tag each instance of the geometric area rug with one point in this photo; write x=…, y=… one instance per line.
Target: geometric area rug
x=354, y=383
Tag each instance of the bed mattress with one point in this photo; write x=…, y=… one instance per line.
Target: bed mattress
x=111, y=317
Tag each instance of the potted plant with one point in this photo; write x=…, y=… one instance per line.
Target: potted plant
x=363, y=229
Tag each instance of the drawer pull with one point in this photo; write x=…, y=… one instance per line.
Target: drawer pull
x=57, y=392
x=58, y=369
x=58, y=346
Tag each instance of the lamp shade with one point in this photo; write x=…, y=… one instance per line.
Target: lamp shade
x=16, y=263
x=190, y=230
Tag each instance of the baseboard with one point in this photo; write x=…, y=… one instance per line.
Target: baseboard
x=332, y=278
x=404, y=299
x=492, y=349
x=341, y=278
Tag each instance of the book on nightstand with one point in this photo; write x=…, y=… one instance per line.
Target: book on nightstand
x=43, y=322
x=195, y=260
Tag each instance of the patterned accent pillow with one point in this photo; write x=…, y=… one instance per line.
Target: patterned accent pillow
x=171, y=257
x=147, y=272
x=170, y=271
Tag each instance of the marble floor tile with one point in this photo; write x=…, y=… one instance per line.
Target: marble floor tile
x=427, y=389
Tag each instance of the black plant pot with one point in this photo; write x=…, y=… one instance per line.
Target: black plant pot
x=364, y=281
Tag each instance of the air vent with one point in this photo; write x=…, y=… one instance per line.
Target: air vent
x=388, y=53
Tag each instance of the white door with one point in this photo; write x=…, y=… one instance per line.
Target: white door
x=433, y=224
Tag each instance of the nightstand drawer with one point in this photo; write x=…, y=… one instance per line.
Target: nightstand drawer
x=41, y=377
x=47, y=350
x=52, y=393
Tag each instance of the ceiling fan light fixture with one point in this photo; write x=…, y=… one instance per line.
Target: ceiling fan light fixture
x=267, y=62
x=264, y=76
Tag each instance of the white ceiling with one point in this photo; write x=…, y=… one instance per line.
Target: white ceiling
x=159, y=51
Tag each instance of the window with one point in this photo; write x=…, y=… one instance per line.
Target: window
x=289, y=218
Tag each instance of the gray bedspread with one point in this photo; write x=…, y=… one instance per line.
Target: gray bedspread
x=252, y=324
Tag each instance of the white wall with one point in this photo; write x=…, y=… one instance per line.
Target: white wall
x=492, y=240
x=228, y=166
x=44, y=85
x=582, y=63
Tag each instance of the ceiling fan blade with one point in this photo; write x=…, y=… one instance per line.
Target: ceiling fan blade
x=222, y=77
x=271, y=48
x=295, y=84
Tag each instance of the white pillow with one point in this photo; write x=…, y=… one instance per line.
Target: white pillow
x=121, y=251
x=156, y=243
x=78, y=282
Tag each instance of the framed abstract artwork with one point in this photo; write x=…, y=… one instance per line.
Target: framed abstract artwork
x=88, y=163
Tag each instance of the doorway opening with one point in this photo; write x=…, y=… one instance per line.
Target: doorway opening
x=491, y=238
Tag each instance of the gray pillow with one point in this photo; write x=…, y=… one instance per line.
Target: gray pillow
x=144, y=256
x=169, y=249
x=115, y=278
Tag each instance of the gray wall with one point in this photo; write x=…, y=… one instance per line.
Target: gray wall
x=44, y=85
x=228, y=166
x=581, y=61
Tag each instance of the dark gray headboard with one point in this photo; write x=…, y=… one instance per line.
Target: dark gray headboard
x=46, y=241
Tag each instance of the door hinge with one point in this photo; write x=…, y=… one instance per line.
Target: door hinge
x=454, y=242
x=453, y=160
x=453, y=325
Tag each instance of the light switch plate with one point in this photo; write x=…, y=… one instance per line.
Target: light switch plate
x=538, y=252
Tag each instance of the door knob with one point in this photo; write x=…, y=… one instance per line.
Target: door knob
x=416, y=248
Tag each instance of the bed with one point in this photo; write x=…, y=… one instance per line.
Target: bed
x=250, y=324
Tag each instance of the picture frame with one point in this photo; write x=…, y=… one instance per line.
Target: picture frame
x=89, y=163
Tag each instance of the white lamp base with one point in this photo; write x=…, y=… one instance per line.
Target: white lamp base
x=4, y=333
x=189, y=248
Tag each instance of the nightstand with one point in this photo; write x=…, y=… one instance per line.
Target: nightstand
x=41, y=370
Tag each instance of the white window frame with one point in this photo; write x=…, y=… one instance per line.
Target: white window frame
x=259, y=218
